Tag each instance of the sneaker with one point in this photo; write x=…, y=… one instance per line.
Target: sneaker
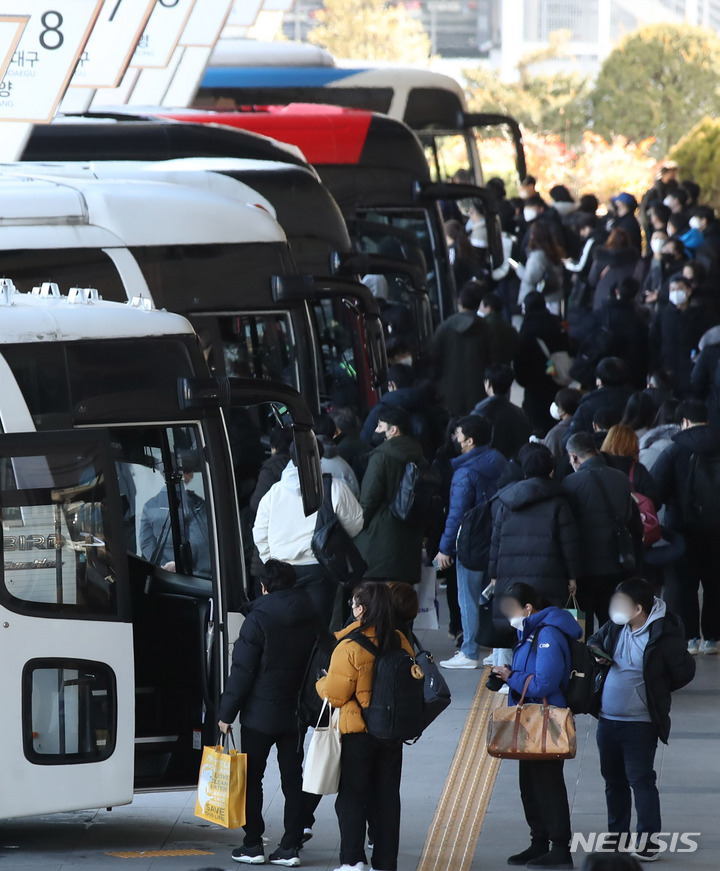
x=694, y=646
x=459, y=661
x=306, y=836
x=249, y=855
x=646, y=855
x=707, y=648
x=488, y=660
x=360, y=866
x=504, y=690
x=288, y=857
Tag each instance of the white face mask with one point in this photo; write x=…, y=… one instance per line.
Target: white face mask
x=678, y=297
x=657, y=245
x=668, y=201
x=529, y=214
x=555, y=412
x=695, y=222
x=620, y=618
x=517, y=623
x=480, y=313
x=406, y=361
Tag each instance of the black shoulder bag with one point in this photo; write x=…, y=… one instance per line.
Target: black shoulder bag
x=332, y=546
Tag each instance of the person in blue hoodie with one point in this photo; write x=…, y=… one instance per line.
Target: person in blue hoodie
x=543, y=652
x=475, y=477
x=646, y=645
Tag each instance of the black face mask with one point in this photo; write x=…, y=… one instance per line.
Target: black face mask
x=377, y=438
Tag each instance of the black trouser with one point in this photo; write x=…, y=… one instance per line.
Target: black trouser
x=594, y=599
x=257, y=746
x=320, y=587
x=451, y=590
x=369, y=787
x=545, y=801
x=701, y=565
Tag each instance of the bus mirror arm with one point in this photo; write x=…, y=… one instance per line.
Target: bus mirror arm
x=363, y=263
x=290, y=410
x=490, y=119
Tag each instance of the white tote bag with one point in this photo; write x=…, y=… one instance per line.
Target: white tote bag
x=321, y=774
x=426, y=590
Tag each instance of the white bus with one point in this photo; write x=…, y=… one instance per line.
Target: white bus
x=122, y=570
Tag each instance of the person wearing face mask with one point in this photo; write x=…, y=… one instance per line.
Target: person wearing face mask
x=676, y=200
x=543, y=652
x=466, y=260
x=625, y=208
x=562, y=410
x=708, y=254
x=646, y=646
x=655, y=274
x=676, y=330
x=391, y=548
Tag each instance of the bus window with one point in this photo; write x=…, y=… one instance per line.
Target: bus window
x=67, y=267
x=259, y=346
x=56, y=553
x=447, y=153
x=339, y=367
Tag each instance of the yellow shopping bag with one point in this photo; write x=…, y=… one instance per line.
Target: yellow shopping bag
x=221, y=786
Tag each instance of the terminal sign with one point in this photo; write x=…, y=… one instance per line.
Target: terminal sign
x=163, y=30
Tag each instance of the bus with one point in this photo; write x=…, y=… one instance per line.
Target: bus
x=122, y=570
x=432, y=104
x=376, y=170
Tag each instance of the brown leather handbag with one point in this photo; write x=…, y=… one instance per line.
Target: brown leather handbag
x=531, y=731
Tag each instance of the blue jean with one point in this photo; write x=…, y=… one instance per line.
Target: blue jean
x=627, y=757
x=470, y=587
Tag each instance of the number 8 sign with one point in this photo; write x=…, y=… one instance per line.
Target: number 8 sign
x=46, y=55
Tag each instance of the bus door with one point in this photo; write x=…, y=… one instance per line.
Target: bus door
x=66, y=641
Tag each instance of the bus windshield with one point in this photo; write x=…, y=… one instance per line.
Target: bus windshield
x=67, y=267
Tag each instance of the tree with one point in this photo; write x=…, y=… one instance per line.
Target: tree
x=373, y=30
x=698, y=156
x=658, y=82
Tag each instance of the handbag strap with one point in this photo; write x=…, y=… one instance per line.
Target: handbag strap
x=326, y=511
x=325, y=704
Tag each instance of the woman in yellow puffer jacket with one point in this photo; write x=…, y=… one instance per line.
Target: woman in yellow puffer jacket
x=370, y=769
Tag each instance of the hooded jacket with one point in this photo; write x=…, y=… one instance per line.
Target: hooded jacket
x=667, y=665
x=390, y=547
x=460, y=352
x=534, y=539
x=654, y=442
x=348, y=683
x=545, y=654
x=475, y=475
x=282, y=531
x=672, y=470
x=510, y=425
x=269, y=662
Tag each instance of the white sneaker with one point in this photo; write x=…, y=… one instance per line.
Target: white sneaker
x=504, y=690
x=707, y=648
x=694, y=646
x=359, y=867
x=488, y=660
x=459, y=661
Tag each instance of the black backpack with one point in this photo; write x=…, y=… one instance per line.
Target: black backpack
x=585, y=678
x=435, y=689
x=418, y=498
x=702, y=494
x=309, y=704
x=332, y=546
x=397, y=707
x=473, y=540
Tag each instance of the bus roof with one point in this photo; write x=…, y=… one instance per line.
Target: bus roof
x=47, y=316
x=139, y=213
x=255, y=52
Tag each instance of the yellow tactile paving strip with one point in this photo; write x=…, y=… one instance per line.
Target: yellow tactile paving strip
x=159, y=854
x=459, y=817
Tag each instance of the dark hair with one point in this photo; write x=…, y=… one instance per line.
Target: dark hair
x=612, y=372
x=694, y=410
x=560, y=194
x=541, y=239
x=699, y=272
x=324, y=425
x=277, y=575
x=525, y=595
x=455, y=230
x=377, y=601
x=692, y=188
x=401, y=375
x=678, y=245
x=639, y=411
x=680, y=194
x=582, y=445
x=640, y=591
x=345, y=419
x=605, y=418
x=395, y=416
x=406, y=604
x=662, y=212
x=611, y=862
x=497, y=186
x=568, y=399
x=535, y=200
x=679, y=278
x=501, y=377
x=628, y=288
x=477, y=428
x=492, y=301
x=534, y=302
x=667, y=413
x=589, y=203
x=705, y=212
x=582, y=221
x=663, y=380
x=528, y=180
x=470, y=295
x=536, y=461
x=281, y=439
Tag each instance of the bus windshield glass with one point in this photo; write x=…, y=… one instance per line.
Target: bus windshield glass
x=67, y=267
x=448, y=156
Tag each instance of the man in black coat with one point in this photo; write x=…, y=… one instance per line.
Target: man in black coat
x=694, y=451
x=612, y=392
x=625, y=207
x=602, y=502
x=269, y=662
x=649, y=661
x=510, y=425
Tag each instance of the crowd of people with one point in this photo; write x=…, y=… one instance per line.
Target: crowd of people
x=570, y=408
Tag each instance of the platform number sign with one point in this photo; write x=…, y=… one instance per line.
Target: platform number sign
x=163, y=30
x=11, y=29
x=46, y=54
x=111, y=46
